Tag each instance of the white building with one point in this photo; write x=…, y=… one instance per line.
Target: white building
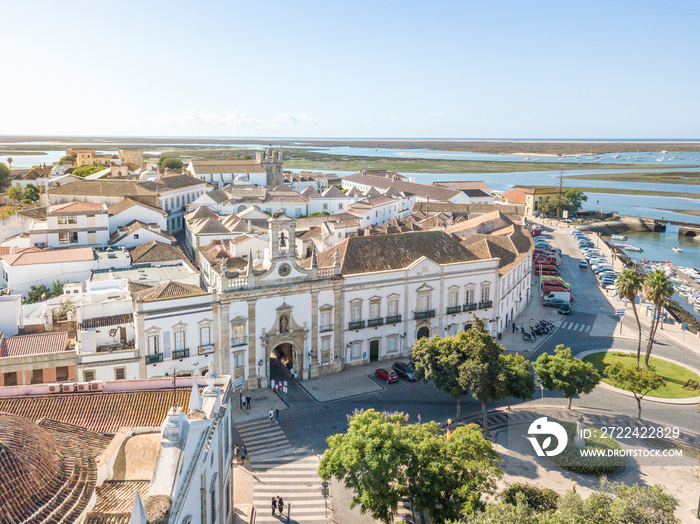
x=417, y=192
x=128, y=210
x=265, y=170
x=72, y=224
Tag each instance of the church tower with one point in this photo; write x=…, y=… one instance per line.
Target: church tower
x=282, y=230
x=271, y=161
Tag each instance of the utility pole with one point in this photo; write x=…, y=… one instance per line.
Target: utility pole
x=561, y=179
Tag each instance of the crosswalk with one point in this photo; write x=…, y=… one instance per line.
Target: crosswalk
x=577, y=326
x=264, y=439
x=279, y=471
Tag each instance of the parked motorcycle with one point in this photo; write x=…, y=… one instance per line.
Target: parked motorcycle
x=529, y=337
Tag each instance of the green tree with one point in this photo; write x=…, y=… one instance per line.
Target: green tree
x=31, y=194
x=440, y=360
x=5, y=176
x=382, y=458
x=169, y=162
x=66, y=307
x=84, y=171
x=574, y=199
x=15, y=193
x=562, y=372
x=657, y=288
x=370, y=459
x=9, y=163
x=447, y=476
x=37, y=294
x=482, y=372
x=68, y=159
x=539, y=499
x=57, y=288
x=640, y=381
x=629, y=285
x=519, y=381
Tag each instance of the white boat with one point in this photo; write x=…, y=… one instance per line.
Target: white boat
x=618, y=237
x=677, y=249
x=635, y=249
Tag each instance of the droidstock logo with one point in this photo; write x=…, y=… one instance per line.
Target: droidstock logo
x=542, y=426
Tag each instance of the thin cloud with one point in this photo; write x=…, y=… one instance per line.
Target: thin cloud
x=302, y=119
x=189, y=119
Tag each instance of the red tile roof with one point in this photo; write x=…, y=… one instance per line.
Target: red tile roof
x=37, y=255
x=516, y=195
x=100, y=411
x=76, y=207
x=21, y=345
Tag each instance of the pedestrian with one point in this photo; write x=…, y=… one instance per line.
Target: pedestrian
x=274, y=506
x=244, y=450
x=236, y=451
x=280, y=505
x=272, y=385
x=247, y=402
x=277, y=415
x=243, y=457
x=270, y=415
x=513, y=327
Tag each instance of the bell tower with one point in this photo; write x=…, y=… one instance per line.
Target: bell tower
x=281, y=230
x=271, y=161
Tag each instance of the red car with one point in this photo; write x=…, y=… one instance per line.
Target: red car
x=387, y=375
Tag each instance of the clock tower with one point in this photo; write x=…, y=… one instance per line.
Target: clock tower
x=282, y=231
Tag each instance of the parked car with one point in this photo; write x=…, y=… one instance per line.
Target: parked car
x=565, y=309
x=404, y=370
x=555, y=303
x=582, y=263
x=386, y=375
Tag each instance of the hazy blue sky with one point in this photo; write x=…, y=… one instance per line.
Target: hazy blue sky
x=527, y=69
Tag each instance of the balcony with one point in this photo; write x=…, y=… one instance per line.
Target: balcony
x=327, y=327
x=180, y=353
x=356, y=325
x=153, y=359
x=235, y=342
x=395, y=319
x=430, y=313
x=470, y=307
x=485, y=305
x=454, y=309
x=373, y=322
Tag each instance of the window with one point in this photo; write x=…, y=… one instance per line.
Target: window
x=204, y=336
x=469, y=299
x=63, y=238
x=453, y=298
x=119, y=373
x=393, y=307
x=73, y=220
x=340, y=206
x=326, y=318
x=136, y=236
x=340, y=235
x=179, y=340
x=62, y=373
x=238, y=359
x=423, y=302
x=355, y=350
x=238, y=331
x=10, y=379
x=325, y=207
x=63, y=220
x=153, y=345
x=356, y=312
x=485, y=293
x=88, y=376
x=391, y=345
x=37, y=376
x=374, y=309
x=297, y=212
x=326, y=344
x=453, y=330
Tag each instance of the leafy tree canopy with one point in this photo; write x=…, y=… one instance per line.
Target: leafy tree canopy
x=84, y=171
x=575, y=199
x=640, y=381
x=5, y=176
x=68, y=159
x=169, y=162
x=562, y=372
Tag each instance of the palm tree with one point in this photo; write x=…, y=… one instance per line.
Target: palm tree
x=657, y=288
x=629, y=284
x=9, y=162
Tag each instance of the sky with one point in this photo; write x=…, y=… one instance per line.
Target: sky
x=370, y=69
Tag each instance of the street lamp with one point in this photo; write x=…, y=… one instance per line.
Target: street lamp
x=260, y=363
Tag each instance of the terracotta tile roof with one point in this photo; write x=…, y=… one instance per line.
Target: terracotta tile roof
x=108, y=518
x=219, y=195
x=209, y=167
x=367, y=254
x=438, y=193
x=37, y=255
x=463, y=185
x=100, y=411
x=154, y=251
x=123, y=188
x=111, y=320
x=128, y=203
x=201, y=212
x=76, y=207
x=468, y=209
x=516, y=195
x=333, y=192
x=44, y=476
x=117, y=496
x=207, y=226
x=172, y=182
x=354, y=192
x=167, y=290
x=134, y=226
x=310, y=192
x=92, y=441
x=486, y=223
x=38, y=213
x=37, y=344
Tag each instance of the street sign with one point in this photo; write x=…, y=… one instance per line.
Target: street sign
x=620, y=312
x=684, y=326
x=565, y=213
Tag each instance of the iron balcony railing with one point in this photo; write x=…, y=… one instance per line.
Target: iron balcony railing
x=470, y=307
x=454, y=309
x=486, y=304
x=430, y=313
x=373, y=322
x=327, y=327
x=235, y=342
x=180, y=353
x=152, y=359
x=356, y=325
x=394, y=319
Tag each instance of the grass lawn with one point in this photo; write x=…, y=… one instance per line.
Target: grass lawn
x=676, y=376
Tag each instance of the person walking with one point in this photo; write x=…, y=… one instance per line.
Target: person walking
x=236, y=451
x=270, y=415
x=277, y=415
x=280, y=505
x=274, y=506
x=247, y=402
x=513, y=324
